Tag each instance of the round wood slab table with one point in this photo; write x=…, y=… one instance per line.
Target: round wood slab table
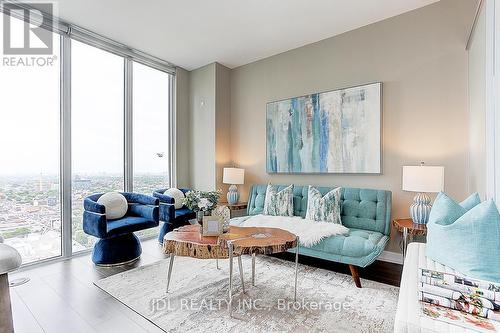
x=187, y=241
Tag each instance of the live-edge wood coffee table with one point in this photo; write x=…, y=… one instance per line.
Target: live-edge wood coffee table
x=188, y=241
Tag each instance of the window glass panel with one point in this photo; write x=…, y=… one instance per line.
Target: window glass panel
x=97, y=95
x=30, y=212
x=151, y=128
x=150, y=132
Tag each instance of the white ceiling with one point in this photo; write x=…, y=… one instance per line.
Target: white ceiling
x=193, y=33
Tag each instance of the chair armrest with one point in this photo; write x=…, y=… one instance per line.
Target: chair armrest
x=163, y=198
x=141, y=198
x=92, y=206
x=147, y=211
x=94, y=224
x=185, y=190
x=167, y=212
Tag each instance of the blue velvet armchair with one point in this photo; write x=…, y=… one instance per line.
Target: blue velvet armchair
x=117, y=243
x=172, y=218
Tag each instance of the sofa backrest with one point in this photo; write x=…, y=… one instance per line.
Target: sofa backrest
x=360, y=208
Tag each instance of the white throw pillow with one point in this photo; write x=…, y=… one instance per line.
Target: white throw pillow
x=323, y=208
x=177, y=195
x=278, y=203
x=115, y=203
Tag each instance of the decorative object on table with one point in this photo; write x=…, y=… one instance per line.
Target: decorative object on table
x=223, y=213
x=468, y=243
x=10, y=260
x=278, y=200
x=323, y=207
x=115, y=205
x=408, y=229
x=331, y=132
x=212, y=226
x=117, y=244
x=422, y=179
x=236, y=208
x=233, y=176
x=201, y=202
x=170, y=216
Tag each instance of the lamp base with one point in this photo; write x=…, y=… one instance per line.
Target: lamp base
x=232, y=195
x=420, y=209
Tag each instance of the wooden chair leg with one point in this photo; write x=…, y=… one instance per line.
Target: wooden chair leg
x=355, y=275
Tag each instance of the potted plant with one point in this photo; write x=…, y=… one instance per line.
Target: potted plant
x=201, y=202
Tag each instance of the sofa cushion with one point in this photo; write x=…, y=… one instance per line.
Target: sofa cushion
x=128, y=224
x=177, y=195
x=358, y=243
x=115, y=203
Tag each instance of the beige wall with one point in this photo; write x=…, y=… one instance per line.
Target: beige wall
x=477, y=108
x=209, y=126
x=222, y=124
x=202, y=128
x=419, y=56
x=182, y=128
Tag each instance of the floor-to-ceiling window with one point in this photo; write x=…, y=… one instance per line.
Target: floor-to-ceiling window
x=33, y=150
x=97, y=129
x=30, y=211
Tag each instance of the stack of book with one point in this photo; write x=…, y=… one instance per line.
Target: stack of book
x=461, y=294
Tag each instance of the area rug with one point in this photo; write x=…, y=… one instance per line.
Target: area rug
x=198, y=294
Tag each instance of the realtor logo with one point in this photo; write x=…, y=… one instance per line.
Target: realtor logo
x=25, y=36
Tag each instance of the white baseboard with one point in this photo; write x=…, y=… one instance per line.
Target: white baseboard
x=394, y=257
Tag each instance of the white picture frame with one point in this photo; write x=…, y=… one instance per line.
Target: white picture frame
x=212, y=226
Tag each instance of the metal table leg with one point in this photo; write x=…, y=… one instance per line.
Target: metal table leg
x=296, y=269
x=230, y=303
x=241, y=274
x=405, y=242
x=170, y=269
x=253, y=269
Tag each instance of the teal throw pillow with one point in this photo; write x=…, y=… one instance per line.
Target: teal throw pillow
x=445, y=210
x=472, y=201
x=470, y=244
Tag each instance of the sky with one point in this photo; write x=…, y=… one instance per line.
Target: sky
x=29, y=114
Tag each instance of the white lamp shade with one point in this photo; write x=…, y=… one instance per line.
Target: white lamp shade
x=423, y=178
x=234, y=176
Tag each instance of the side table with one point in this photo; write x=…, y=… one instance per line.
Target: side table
x=235, y=207
x=409, y=229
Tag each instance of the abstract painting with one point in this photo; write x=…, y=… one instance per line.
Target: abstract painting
x=331, y=132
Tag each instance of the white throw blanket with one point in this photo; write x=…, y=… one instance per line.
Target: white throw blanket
x=310, y=232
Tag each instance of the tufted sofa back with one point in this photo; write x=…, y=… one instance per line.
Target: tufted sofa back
x=360, y=208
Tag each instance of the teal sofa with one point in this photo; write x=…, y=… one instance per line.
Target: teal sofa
x=366, y=212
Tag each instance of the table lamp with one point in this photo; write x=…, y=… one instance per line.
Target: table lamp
x=422, y=179
x=233, y=176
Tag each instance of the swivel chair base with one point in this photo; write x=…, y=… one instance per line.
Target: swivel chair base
x=117, y=251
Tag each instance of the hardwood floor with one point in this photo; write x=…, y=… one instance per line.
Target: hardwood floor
x=61, y=297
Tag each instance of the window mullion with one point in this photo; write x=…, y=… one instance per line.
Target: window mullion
x=128, y=130
x=65, y=146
